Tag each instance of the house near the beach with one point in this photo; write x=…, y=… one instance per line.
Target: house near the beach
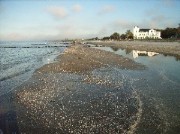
x=146, y=33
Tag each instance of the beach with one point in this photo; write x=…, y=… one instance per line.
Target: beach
x=87, y=90
x=89, y=67
x=77, y=94
x=79, y=59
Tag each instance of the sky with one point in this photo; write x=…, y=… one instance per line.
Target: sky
x=22, y=20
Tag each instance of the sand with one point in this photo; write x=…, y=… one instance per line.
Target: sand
x=79, y=59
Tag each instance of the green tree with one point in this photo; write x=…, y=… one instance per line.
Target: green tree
x=169, y=33
x=129, y=34
x=105, y=38
x=115, y=36
x=123, y=36
x=178, y=32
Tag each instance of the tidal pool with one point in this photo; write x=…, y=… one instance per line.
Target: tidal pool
x=159, y=86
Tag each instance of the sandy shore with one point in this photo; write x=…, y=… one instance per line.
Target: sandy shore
x=82, y=92
x=86, y=90
x=79, y=59
x=169, y=48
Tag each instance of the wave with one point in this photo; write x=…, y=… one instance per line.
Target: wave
x=15, y=71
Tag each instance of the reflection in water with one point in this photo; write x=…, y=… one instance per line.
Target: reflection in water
x=125, y=52
x=114, y=48
x=174, y=55
x=128, y=51
x=137, y=53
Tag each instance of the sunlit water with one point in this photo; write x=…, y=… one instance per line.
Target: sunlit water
x=17, y=63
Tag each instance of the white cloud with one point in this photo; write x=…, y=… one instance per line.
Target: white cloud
x=106, y=9
x=57, y=12
x=77, y=8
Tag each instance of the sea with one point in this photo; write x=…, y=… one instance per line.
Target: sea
x=19, y=59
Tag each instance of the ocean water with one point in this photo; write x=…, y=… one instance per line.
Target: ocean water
x=18, y=60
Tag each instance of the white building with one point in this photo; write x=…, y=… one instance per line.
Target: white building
x=146, y=33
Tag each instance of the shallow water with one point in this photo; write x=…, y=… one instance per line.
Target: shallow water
x=159, y=86
x=167, y=66
x=18, y=63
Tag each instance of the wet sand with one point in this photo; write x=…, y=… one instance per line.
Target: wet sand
x=79, y=59
x=169, y=48
x=82, y=92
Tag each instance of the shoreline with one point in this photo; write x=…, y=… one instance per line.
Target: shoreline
x=72, y=69
x=82, y=91
x=79, y=59
x=167, y=48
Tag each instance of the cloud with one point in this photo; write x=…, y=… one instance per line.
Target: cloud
x=61, y=12
x=57, y=12
x=106, y=9
x=77, y=8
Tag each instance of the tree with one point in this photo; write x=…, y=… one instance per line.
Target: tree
x=123, y=36
x=129, y=34
x=115, y=36
x=178, y=32
x=105, y=38
x=169, y=33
